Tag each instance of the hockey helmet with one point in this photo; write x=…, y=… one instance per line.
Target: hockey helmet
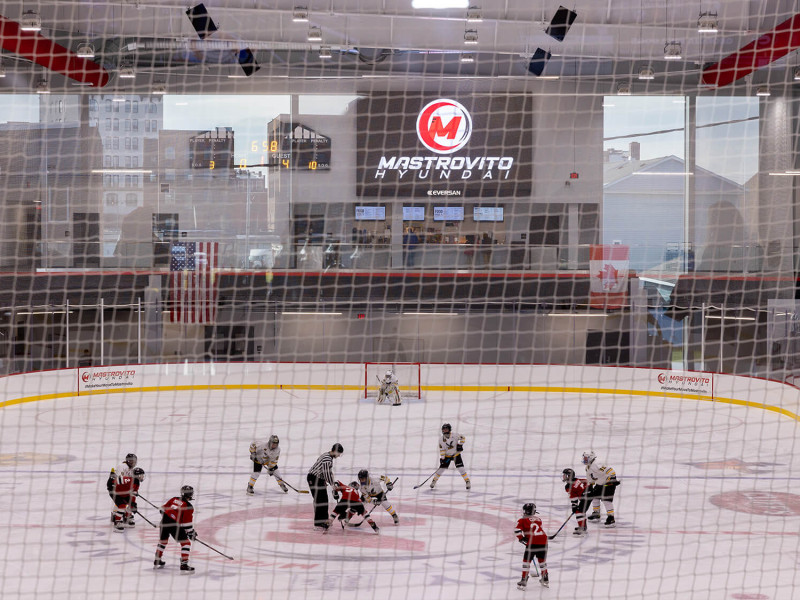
x=187, y=492
x=588, y=457
x=131, y=459
x=529, y=509
x=354, y=485
x=337, y=450
x=363, y=475
x=388, y=373
x=138, y=473
x=568, y=475
x=273, y=442
x=446, y=428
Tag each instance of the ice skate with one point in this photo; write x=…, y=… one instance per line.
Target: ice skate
x=158, y=564
x=186, y=568
x=375, y=527
x=250, y=490
x=522, y=583
x=545, y=580
x=130, y=523
x=469, y=485
x=119, y=527
x=579, y=531
x=283, y=487
x=610, y=521
x=396, y=519
x=595, y=516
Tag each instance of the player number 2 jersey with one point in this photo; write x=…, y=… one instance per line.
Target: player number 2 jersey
x=529, y=530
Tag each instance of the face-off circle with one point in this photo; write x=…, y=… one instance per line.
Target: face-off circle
x=444, y=126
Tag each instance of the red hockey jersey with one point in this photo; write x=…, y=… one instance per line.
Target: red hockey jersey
x=348, y=493
x=529, y=531
x=577, y=489
x=180, y=511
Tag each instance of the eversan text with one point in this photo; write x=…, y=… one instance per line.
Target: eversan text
x=445, y=167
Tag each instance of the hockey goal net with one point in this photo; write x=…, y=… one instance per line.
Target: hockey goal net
x=407, y=374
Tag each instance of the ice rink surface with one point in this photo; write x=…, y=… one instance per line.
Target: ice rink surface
x=707, y=507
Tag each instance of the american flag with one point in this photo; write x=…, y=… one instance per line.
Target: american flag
x=193, y=282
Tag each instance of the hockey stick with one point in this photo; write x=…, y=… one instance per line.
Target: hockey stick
x=426, y=480
x=146, y=519
x=214, y=549
x=158, y=508
x=361, y=522
x=289, y=485
x=552, y=537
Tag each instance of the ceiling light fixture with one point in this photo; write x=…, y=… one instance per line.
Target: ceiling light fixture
x=439, y=4
x=646, y=73
x=300, y=14
x=2, y=69
x=31, y=21
x=471, y=36
x=42, y=87
x=474, y=15
x=159, y=89
x=763, y=90
x=85, y=50
x=314, y=34
x=127, y=72
x=797, y=74
x=623, y=89
x=325, y=52
x=467, y=57
x=673, y=51
x=707, y=22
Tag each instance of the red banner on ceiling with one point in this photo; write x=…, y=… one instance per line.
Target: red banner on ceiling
x=608, y=271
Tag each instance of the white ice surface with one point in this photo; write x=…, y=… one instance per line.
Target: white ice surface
x=672, y=541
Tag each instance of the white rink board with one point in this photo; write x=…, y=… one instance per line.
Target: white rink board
x=706, y=508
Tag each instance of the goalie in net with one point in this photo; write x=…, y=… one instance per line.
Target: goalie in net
x=390, y=389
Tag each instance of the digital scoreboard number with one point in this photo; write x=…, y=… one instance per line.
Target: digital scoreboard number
x=294, y=146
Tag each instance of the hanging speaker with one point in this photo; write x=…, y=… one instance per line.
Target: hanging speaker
x=538, y=61
x=560, y=23
x=201, y=21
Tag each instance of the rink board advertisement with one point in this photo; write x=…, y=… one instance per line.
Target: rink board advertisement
x=444, y=148
x=108, y=378
x=691, y=382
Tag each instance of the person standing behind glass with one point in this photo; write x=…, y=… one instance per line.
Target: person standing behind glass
x=410, y=242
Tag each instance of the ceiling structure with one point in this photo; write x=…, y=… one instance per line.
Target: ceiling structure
x=377, y=44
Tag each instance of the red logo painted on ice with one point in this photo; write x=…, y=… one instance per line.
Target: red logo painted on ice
x=756, y=502
x=444, y=126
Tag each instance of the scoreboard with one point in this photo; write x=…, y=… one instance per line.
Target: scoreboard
x=292, y=145
x=211, y=152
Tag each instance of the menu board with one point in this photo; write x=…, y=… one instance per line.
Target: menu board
x=487, y=213
x=370, y=213
x=413, y=213
x=448, y=213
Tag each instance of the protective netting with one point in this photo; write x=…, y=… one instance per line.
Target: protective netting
x=562, y=230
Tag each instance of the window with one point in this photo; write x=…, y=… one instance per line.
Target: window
x=115, y=143
x=107, y=160
x=108, y=124
x=153, y=126
x=135, y=180
x=135, y=162
x=116, y=162
x=128, y=181
x=127, y=143
x=135, y=106
x=92, y=104
x=127, y=124
x=127, y=106
x=115, y=180
x=135, y=143
x=116, y=125
x=115, y=106
x=108, y=105
x=111, y=200
x=169, y=152
x=146, y=125
x=127, y=162
x=135, y=125
x=107, y=181
x=131, y=200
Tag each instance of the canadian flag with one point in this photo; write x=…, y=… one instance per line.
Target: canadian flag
x=608, y=272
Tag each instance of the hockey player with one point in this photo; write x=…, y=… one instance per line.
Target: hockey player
x=265, y=455
x=177, y=515
x=576, y=488
x=123, y=486
x=603, y=483
x=389, y=389
x=350, y=503
x=451, y=445
x=372, y=491
x=529, y=532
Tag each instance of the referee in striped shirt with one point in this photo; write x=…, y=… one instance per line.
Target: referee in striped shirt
x=320, y=476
